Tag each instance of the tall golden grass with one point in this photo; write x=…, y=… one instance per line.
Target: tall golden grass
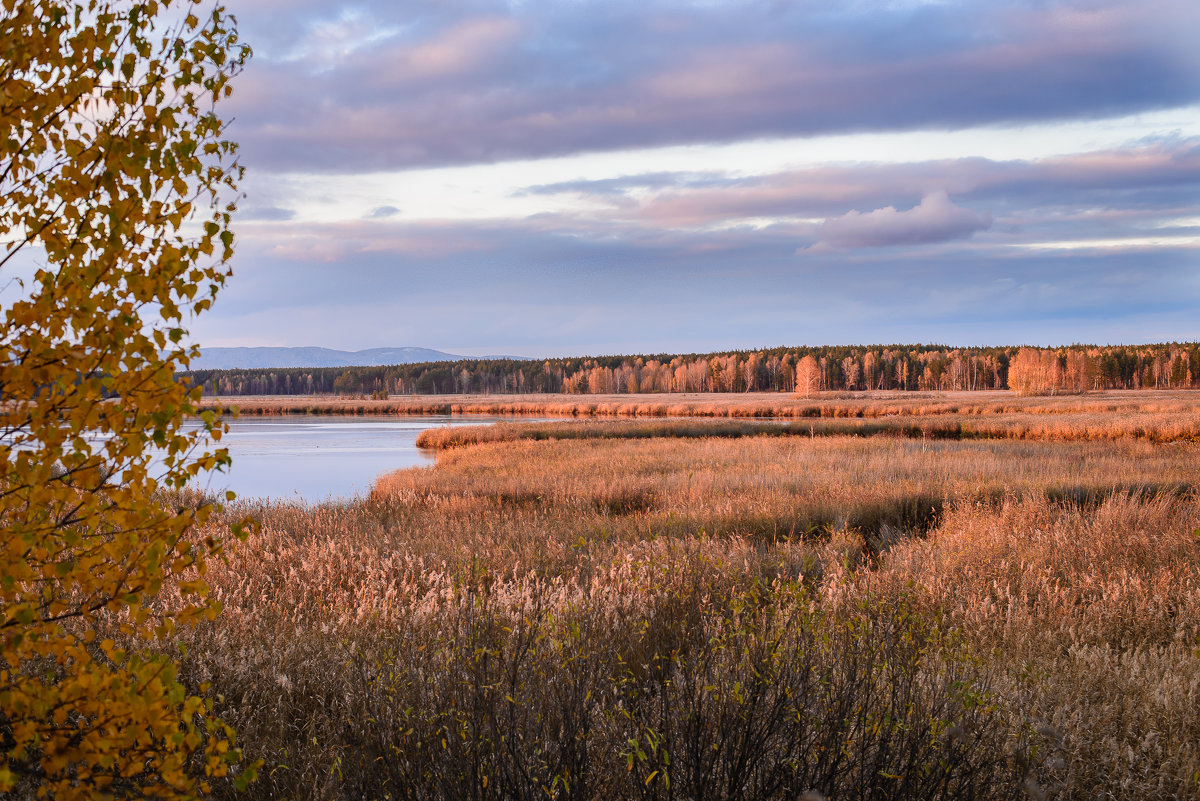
x=758, y=617
x=1091, y=619
x=1063, y=426
x=765, y=487
x=1113, y=403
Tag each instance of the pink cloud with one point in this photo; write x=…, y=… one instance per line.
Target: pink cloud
x=457, y=83
x=344, y=241
x=462, y=49
x=935, y=219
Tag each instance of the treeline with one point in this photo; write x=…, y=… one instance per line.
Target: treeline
x=843, y=368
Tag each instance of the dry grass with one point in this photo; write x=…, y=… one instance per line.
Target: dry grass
x=1122, y=573
x=598, y=684
x=750, y=617
x=1093, y=618
x=1111, y=404
x=1066, y=426
x=358, y=670
x=760, y=487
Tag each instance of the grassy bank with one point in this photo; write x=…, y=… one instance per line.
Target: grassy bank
x=1178, y=426
x=733, y=405
x=725, y=618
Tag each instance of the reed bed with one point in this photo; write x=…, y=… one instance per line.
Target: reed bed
x=759, y=487
x=666, y=666
x=1063, y=426
x=664, y=670
x=732, y=405
x=1091, y=620
x=756, y=618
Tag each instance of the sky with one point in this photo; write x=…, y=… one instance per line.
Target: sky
x=568, y=177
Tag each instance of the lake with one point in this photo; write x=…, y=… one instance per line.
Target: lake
x=318, y=457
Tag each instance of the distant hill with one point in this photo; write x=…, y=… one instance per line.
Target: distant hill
x=256, y=358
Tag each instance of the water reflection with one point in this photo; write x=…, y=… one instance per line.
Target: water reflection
x=318, y=457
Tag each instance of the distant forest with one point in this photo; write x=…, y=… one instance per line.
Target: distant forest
x=806, y=369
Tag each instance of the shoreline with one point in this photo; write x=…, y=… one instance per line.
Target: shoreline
x=762, y=405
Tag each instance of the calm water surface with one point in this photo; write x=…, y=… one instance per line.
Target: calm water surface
x=318, y=457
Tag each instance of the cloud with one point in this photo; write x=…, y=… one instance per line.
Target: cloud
x=461, y=83
x=935, y=219
x=265, y=214
x=749, y=292
x=400, y=84
x=1083, y=197
x=462, y=49
x=626, y=183
x=328, y=42
x=1134, y=182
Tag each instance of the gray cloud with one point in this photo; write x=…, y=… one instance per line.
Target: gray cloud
x=1101, y=195
x=412, y=84
x=712, y=256
x=694, y=291
x=1151, y=178
x=265, y=214
x=935, y=219
x=627, y=183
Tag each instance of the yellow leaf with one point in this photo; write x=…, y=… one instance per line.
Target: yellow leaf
x=87, y=540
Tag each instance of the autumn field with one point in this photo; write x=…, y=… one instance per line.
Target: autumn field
x=701, y=608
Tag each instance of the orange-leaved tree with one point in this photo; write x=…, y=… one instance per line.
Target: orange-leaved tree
x=115, y=188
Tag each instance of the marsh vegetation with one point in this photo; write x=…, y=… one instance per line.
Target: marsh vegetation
x=703, y=609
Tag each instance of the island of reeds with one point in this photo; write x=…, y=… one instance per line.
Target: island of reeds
x=942, y=596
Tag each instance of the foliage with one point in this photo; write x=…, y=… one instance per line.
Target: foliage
x=804, y=370
x=112, y=176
